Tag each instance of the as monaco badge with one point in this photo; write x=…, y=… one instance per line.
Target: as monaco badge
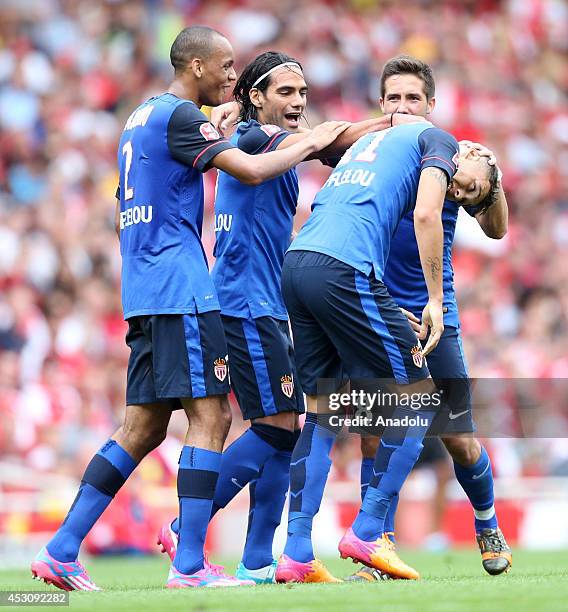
x=416, y=352
x=270, y=130
x=209, y=132
x=220, y=369
x=287, y=384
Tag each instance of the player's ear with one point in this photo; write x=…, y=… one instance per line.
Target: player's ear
x=382, y=104
x=255, y=96
x=431, y=105
x=197, y=67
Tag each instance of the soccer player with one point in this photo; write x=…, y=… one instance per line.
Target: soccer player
x=346, y=326
x=253, y=225
x=407, y=86
x=178, y=350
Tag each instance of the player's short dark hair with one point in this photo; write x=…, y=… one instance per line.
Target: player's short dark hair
x=194, y=41
x=493, y=194
x=405, y=64
x=259, y=66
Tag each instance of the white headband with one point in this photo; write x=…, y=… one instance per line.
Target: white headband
x=273, y=69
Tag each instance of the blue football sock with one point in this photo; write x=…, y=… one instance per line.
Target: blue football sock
x=267, y=498
x=477, y=482
x=197, y=478
x=390, y=517
x=366, y=474
x=105, y=474
x=243, y=461
x=396, y=456
x=308, y=474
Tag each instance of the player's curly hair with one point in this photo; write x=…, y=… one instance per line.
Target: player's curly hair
x=259, y=66
x=406, y=64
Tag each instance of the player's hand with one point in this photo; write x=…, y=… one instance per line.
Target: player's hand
x=481, y=149
x=433, y=318
x=325, y=133
x=225, y=115
x=413, y=320
x=404, y=118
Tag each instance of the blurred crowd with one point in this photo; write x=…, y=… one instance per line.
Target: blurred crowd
x=70, y=74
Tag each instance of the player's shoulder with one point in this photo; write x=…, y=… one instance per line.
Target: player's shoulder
x=253, y=126
x=186, y=109
x=176, y=111
x=254, y=137
x=432, y=133
x=188, y=118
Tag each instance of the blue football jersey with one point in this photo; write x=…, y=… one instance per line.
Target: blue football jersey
x=166, y=144
x=253, y=225
x=404, y=277
x=357, y=211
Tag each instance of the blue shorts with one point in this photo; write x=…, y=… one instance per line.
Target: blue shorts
x=449, y=370
x=176, y=356
x=263, y=370
x=345, y=325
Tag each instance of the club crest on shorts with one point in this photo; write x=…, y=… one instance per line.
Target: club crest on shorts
x=220, y=368
x=417, y=357
x=287, y=384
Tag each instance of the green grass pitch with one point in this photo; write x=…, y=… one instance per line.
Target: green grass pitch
x=451, y=582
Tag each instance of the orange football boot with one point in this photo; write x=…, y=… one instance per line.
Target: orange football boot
x=289, y=570
x=380, y=554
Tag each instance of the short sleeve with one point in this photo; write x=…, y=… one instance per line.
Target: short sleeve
x=192, y=139
x=439, y=150
x=255, y=138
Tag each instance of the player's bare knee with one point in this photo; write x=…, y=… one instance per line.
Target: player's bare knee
x=464, y=450
x=369, y=446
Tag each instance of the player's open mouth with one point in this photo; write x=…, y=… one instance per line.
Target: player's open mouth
x=293, y=119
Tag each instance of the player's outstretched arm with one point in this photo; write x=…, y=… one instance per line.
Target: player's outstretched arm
x=430, y=236
x=359, y=129
x=352, y=134
x=255, y=169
